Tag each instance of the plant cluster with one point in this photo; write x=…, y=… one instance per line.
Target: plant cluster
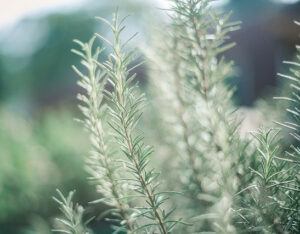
x=228, y=184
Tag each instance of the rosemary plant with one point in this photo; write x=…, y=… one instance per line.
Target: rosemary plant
x=101, y=165
x=230, y=187
x=291, y=216
x=125, y=105
x=270, y=203
x=204, y=115
x=265, y=197
x=118, y=117
x=72, y=222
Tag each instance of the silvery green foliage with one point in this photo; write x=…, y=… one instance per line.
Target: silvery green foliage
x=206, y=134
x=270, y=199
x=101, y=165
x=72, y=220
x=292, y=156
x=125, y=109
x=228, y=190
x=147, y=213
x=265, y=200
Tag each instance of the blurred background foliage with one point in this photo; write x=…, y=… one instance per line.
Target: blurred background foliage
x=42, y=148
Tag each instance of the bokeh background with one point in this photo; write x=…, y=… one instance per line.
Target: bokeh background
x=41, y=147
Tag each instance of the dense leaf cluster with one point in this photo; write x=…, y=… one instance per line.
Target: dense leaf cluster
x=230, y=184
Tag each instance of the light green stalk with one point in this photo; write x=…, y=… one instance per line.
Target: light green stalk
x=126, y=105
x=101, y=165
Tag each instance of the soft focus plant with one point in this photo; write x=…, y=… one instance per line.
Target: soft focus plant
x=228, y=184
